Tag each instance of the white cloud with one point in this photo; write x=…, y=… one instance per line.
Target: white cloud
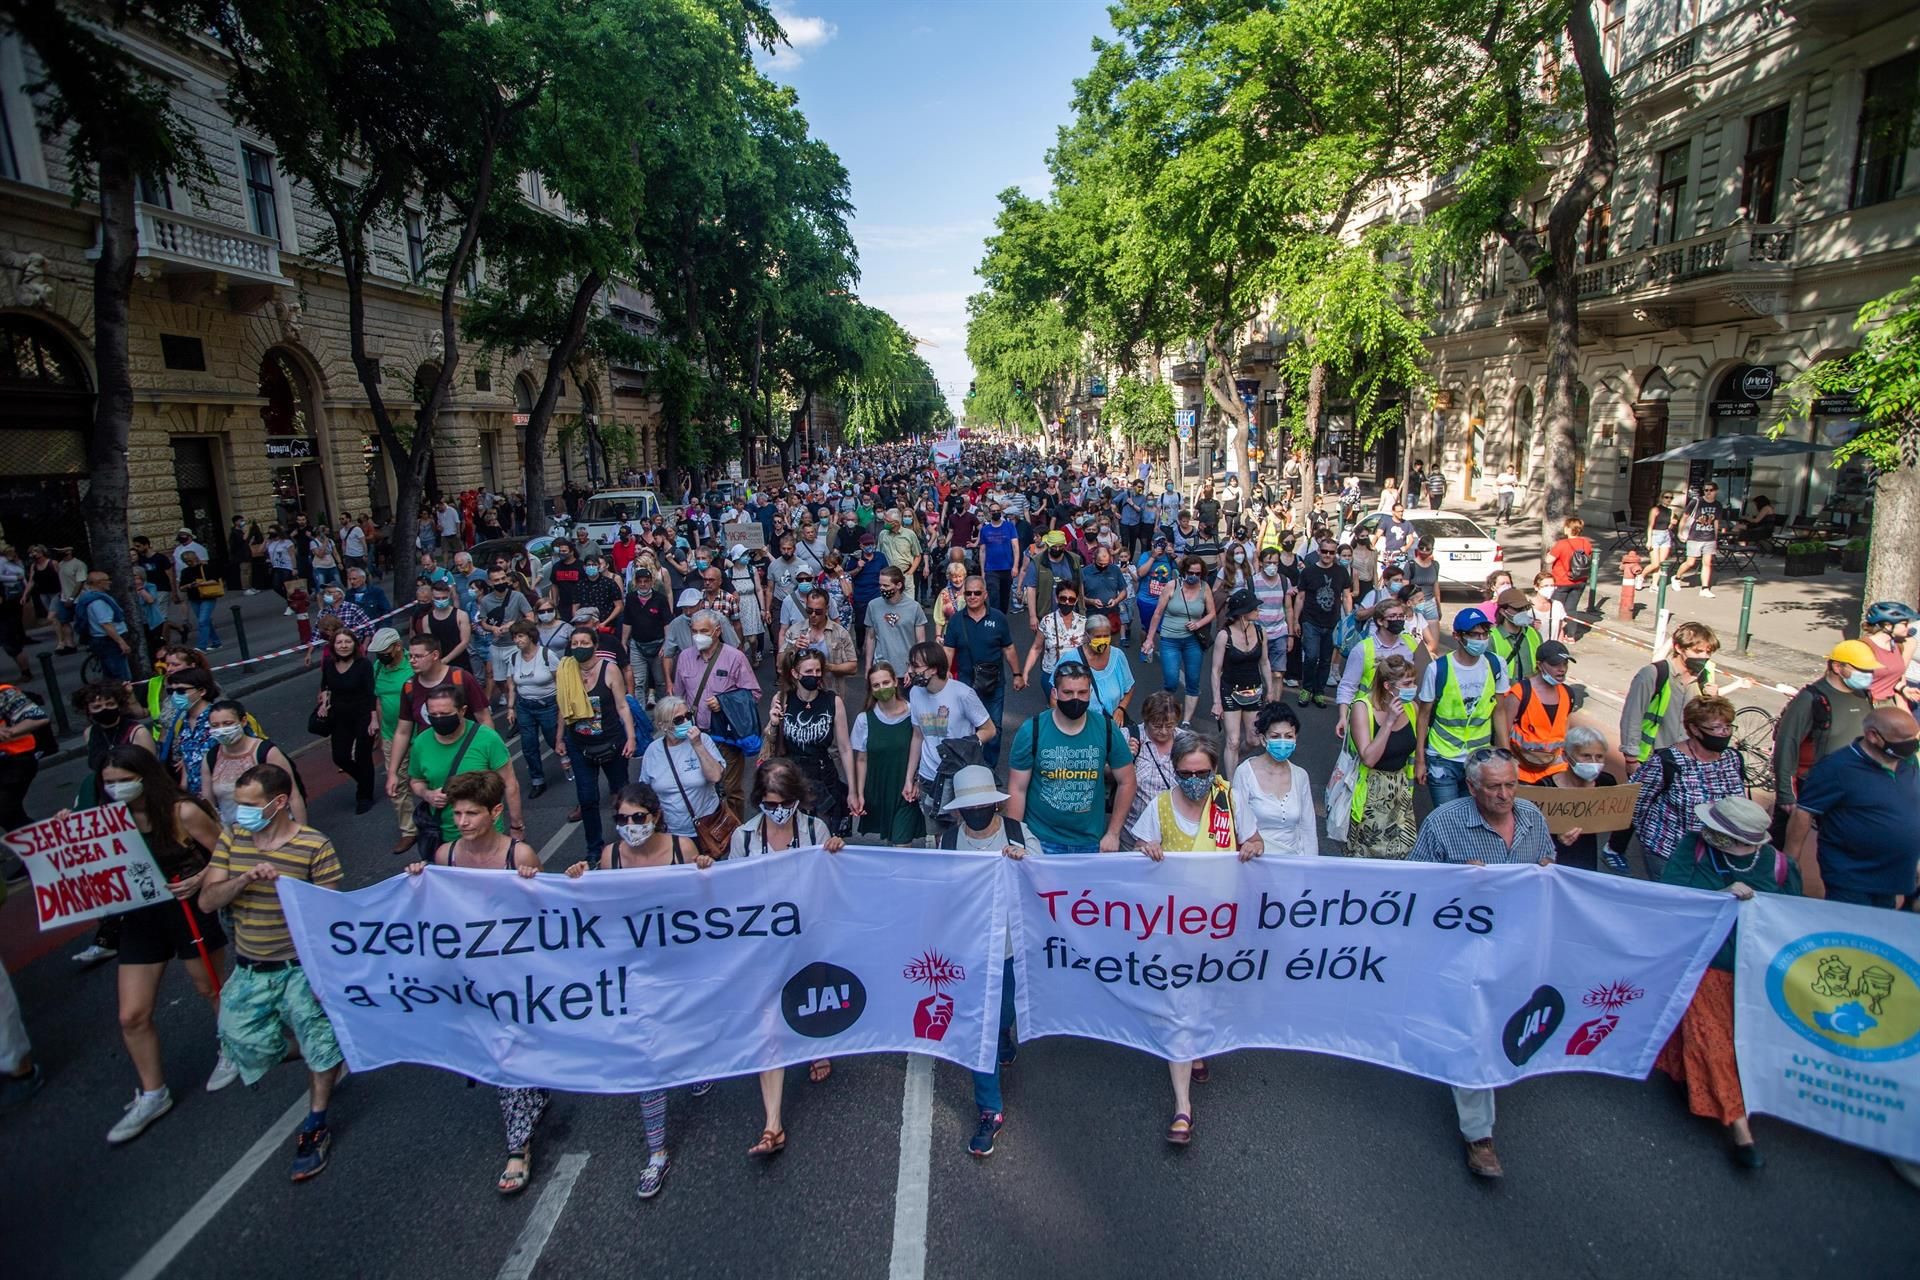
x=917, y=237
x=804, y=35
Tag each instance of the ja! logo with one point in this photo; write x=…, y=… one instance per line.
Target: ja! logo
x=1851, y=995
x=823, y=1000
x=1533, y=1024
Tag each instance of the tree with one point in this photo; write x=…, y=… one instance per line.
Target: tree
x=1141, y=411
x=1884, y=376
x=121, y=128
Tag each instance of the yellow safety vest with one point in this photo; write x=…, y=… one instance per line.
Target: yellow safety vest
x=1219, y=809
x=1505, y=648
x=1367, y=771
x=1455, y=730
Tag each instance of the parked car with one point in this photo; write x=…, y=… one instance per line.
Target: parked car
x=538, y=550
x=1466, y=551
x=607, y=510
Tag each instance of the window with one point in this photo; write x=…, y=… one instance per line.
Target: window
x=531, y=185
x=182, y=351
x=1886, y=129
x=416, y=244
x=9, y=161
x=1613, y=31
x=1671, y=194
x=482, y=378
x=153, y=191
x=1760, y=171
x=1537, y=214
x=1599, y=234
x=263, y=208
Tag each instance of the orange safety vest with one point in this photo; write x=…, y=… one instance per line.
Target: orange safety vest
x=19, y=745
x=1537, y=725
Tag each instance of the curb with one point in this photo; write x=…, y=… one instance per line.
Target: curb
x=1640, y=640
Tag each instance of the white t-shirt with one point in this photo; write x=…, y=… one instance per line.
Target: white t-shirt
x=859, y=734
x=447, y=520
x=533, y=677
x=658, y=767
x=1285, y=825
x=353, y=541
x=1471, y=677
x=954, y=712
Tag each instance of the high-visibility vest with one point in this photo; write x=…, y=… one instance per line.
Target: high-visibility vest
x=1367, y=771
x=1538, y=726
x=1455, y=730
x=1506, y=649
x=1215, y=832
x=1662, y=699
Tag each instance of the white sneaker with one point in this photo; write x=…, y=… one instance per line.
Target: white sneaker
x=94, y=953
x=287, y=612
x=1706, y=593
x=224, y=1073
x=141, y=1112
x=253, y=591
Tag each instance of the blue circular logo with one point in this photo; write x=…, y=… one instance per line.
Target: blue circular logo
x=1849, y=994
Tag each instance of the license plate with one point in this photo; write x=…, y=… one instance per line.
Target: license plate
x=1466, y=555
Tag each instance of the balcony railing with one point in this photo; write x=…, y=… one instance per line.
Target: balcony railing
x=187, y=244
x=1663, y=71
x=1745, y=247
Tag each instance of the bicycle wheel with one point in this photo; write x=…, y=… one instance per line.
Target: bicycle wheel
x=91, y=670
x=1753, y=738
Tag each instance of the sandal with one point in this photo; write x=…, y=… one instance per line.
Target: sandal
x=1200, y=1073
x=820, y=1070
x=513, y=1182
x=772, y=1143
x=1180, y=1132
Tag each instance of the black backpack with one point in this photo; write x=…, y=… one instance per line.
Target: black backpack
x=1580, y=565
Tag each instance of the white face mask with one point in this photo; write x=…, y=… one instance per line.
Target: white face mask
x=124, y=791
x=635, y=833
x=1586, y=770
x=225, y=733
x=702, y=641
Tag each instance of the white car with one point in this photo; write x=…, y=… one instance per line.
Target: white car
x=607, y=510
x=1466, y=551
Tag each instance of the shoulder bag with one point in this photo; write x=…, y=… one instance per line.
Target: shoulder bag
x=426, y=818
x=714, y=832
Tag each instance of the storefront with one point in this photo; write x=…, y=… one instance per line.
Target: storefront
x=46, y=410
x=293, y=450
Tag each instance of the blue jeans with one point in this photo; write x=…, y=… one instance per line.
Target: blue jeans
x=537, y=722
x=113, y=663
x=1446, y=780
x=986, y=1084
x=587, y=786
x=323, y=576
x=203, y=614
x=1861, y=898
x=1316, y=657
x=1180, y=656
x=996, y=712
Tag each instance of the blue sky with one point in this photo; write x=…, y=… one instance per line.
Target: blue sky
x=935, y=106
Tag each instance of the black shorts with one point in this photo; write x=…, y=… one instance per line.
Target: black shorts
x=159, y=933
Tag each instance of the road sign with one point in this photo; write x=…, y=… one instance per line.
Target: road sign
x=1186, y=433
x=1183, y=418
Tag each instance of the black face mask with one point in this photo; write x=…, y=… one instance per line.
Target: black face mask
x=444, y=724
x=978, y=819
x=105, y=719
x=1394, y=626
x=582, y=652
x=1071, y=708
x=809, y=683
x=1698, y=666
x=1714, y=741
x=1902, y=750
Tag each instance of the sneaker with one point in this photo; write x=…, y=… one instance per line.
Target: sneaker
x=1706, y=593
x=141, y=1112
x=17, y=1091
x=1305, y=697
x=991, y=1122
x=311, y=1148
x=224, y=1073
x=1481, y=1160
x=94, y=953
x=253, y=591
x=654, y=1176
x=287, y=612
x=702, y=1089
x=1291, y=683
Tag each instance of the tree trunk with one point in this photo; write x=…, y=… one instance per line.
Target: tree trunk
x=1893, y=571
x=105, y=506
x=1234, y=415
x=1309, y=478
x=1561, y=445
x=533, y=443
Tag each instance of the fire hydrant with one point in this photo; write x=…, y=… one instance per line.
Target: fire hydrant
x=1630, y=568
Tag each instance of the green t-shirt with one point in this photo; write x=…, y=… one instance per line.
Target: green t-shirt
x=428, y=759
x=1067, y=794
x=387, y=683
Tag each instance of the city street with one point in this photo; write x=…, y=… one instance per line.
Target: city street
x=1301, y=1164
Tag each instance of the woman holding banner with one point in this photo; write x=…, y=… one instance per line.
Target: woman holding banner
x=1381, y=821
x=886, y=743
x=1195, y=816
x=180, y=831
x=1585, y=751
x=477, y=800
x=776, y=826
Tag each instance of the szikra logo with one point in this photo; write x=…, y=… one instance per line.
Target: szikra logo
x=823, y=1000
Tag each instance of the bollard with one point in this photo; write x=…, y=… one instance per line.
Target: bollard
x=1746, y=612
x=56, y=705
x=240, y=633
x=1660, y=598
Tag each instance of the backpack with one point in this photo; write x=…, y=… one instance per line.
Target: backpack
x=1580, y=564
x=1818, y=730
x=260, y=757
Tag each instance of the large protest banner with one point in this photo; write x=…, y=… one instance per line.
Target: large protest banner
x=626, y=981
x=90, y=863
x=1472, y=975
x=1826, y=1016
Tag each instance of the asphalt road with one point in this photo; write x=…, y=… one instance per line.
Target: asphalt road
x=1301, y=1164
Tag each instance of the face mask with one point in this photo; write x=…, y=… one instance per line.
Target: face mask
x=1524, y=618
x=497, y=588
x=444, y=724
x=979, y=819
x=106, y=719
x=1195, y=789
x=1071, y=708
x=249, y=817
x=887, y=694
x=779, y=815
x=702, y=641
x=1860, y=681
x=1476, y=647
x=1406, y=692
x=1900, y=750
x=636, y=832
x=700, y=564
x=1270, y=568
x=1586, y=770
x=227, y=732
x=1099, y=645
x=1191, y=579
x=1281, y=748
x=178, y=701
x=1698, y=666
x=1549, y=679
x=681, y=730
x=546, y=615
x=124, y=791
x=1346, y=561
x=593, y=570
x=1394, y=626
x=809, y=683
x=582, y=653
x=1714, y=741
x=1239, y=556
x=441, y=604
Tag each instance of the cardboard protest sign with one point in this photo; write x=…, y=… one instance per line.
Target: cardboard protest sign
x=91, y=863
x=1588, y=808
x=747, y=533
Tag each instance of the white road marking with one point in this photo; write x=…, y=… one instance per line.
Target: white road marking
x=915, y=1179
x=546, y=1213
x=169, y=1246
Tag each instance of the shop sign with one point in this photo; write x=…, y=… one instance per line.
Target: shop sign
x=1735, y=409
x=292, y=449
x=521, y=419
x=1757, y=382
x=1846, y=405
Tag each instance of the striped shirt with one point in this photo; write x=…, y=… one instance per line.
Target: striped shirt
x=259, y=925
x=1455, y=832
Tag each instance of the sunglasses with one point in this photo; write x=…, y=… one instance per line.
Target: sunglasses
x=1068, y=601
x=682, y=718
x=624, y=816
x=1193, y=773
x=975, y=594
x=1490, y=753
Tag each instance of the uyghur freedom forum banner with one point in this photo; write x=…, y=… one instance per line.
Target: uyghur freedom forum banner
x=1472, y=975
x=625, y=981
x=628, y=981
x=1826, y=1015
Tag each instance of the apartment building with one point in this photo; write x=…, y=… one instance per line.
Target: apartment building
x=1768, y=185
x=246, y=401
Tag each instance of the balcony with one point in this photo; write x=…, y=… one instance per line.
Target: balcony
x=1842, y=17
x=1667, y=77
x=1746, y=256
x=1255, y=356
x=194, y=252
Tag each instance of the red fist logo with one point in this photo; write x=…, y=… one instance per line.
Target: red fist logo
x=1588, y=1035
x=932, y=1016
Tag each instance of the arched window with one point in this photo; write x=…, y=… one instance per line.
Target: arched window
x=46, y=410
x=287, y=394
x=1521, y=440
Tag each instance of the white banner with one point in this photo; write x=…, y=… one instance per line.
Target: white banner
x=1472, y=975
x=1826, y=1016
x=90, y=863
x=628, y=981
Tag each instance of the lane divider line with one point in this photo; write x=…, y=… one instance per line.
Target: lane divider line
x=533, y=1238
x=914, y=1182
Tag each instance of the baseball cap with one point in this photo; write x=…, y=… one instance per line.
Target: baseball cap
x=1553, y=652
x=1514, y=598
x=1854, y=653
x=688, y=596
x=1467, y=619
